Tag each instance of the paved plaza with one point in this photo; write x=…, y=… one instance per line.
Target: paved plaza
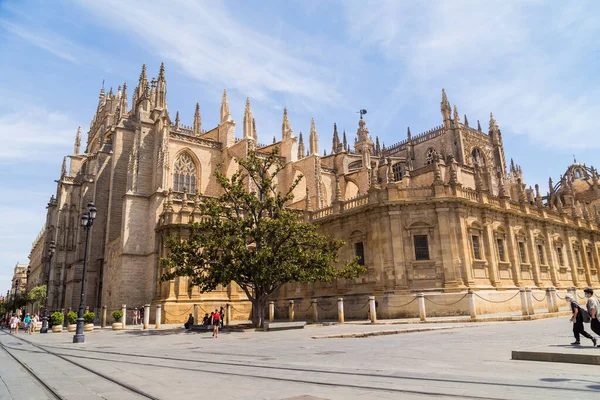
x=459, y=360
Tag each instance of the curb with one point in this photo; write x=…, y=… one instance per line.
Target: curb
x=384, y=333
x=592, y=359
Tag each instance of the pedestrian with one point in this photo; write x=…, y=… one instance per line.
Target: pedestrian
x=577, y=320
x=34, y=322
x=13, y=323
x=141, y=314
x=206, y=319
x=592, y=306
x=222, y=313
x=17, y=324
x=134, y=316
x=27, y=322
x=215, y=322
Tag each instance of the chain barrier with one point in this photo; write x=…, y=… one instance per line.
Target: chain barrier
x=558, y=295
x=536, y=299
x=235, y=309
x=581, y=298
x=179, y=315
x=449, y=304
x=358, y=309
x=326, y=309
x=405, y=304
x=309, y=307
x=496, y=301
x=280, y=310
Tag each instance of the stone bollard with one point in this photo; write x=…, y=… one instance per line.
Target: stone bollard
x=472, y=306
x=158, y=315
x=549, y=300
x=103, y=320
x=530, y=308
x=372, y=309
x=315, y=311
x=341, y=310
x=124, y=317
x=271, y=311
x=146, y=315
x=523, y=301
x=291, y=310
x=555, y=299
x=422, y=312
x=195, y=314
x=228, y=308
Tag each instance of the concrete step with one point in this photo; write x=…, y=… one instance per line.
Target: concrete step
x=585, y=354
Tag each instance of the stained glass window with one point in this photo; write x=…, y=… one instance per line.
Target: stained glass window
x=184, y=174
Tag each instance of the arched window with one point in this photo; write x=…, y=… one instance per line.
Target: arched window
x=184, y=174
x=578, y=174
x=477, y=157
x=429, y=156
x=397, y=170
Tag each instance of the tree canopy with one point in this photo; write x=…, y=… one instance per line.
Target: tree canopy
x=248, y=236
x=37, y=295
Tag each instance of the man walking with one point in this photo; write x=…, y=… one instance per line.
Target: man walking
x=577, y=320
x=592, y=309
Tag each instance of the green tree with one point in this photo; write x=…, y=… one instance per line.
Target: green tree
x=37, y=295
x=250, y=237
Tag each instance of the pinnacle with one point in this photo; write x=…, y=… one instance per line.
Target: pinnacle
x=161, y=74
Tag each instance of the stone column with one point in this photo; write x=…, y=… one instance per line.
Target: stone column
x=513, y=254
x=555, y=299
x=372, y=309
x=549, y=300
x=490, y=252
x=571, y=258
x=291, y=311
x=422, y=312
x=452, y=277
x=195, y=314
x=340, y=308
x=524, y=308
x=124, y=317
x=530, y=308
x=146, y=316
x=271, y=311
x=158, y=315
x=585, y=262
x=228, y=308
x=398, y=255
x=103, y=319
x=472, y=305
x=464, y=251
x=315, y=311
x=551, y=256
x=533, y=256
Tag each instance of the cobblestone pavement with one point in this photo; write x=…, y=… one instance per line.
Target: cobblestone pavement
x=470, y=360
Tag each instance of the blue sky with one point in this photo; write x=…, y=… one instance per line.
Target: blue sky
x=533, y=63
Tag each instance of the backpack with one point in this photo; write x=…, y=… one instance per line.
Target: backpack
x=585, y=316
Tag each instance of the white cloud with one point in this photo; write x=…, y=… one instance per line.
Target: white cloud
x=33, y=132
x=516, y=58
x=211, y=46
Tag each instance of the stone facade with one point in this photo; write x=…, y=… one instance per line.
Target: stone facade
x=440, y=211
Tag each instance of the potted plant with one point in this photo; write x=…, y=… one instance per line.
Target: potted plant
x=88, y=318
x=57, y=321
x=72, y=318
x=117, y=315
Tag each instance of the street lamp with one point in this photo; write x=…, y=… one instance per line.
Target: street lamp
x=16, y=295
x=87, y=220
x=51, y=250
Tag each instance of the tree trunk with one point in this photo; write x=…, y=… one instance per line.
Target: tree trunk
x=258, y=311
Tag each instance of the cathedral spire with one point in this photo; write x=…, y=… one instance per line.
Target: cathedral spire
x=254, y=131
x=445, y=108
x=377, y=146
x=478, y=126
x=300, y=147
x=124, y=99
x=77, y=141
x=313, y=139
x=344, y=141
x=335, y=147
x=456, y=115
x=494, y=131
x=160, y=96
x=63, y=169
x=177, y=121
x=142, y=84
x=408, y=135
x=466, y=121
x=248, y=120
x=197, y=121
x=225, y=114
x=286, y=130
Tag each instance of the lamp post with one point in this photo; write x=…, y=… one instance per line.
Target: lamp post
x=51, y=250
x=27, y=284
x=87, y=220
x=16, y=296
